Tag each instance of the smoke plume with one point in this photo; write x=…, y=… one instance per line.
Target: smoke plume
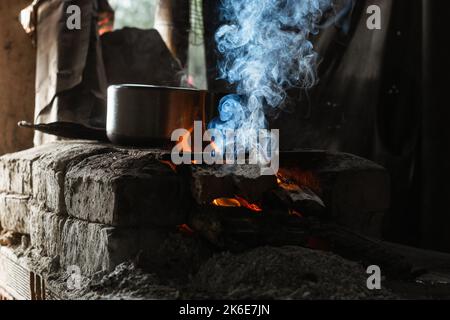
x=265, y=51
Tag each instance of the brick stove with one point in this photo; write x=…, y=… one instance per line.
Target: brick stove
x=128, y=218
x=95, y=206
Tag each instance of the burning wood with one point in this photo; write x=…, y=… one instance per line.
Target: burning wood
x=236, y=202
x=226, y=202
x=246, y=204
x=234, y=229
x=303, y=178
x=299, y=199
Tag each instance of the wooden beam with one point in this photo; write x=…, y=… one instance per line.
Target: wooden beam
x=17, y=78
x=172, y=20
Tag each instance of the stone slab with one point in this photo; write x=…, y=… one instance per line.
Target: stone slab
x=126, y=189
x=49, y=171
x=91, y=247
x=16, y=170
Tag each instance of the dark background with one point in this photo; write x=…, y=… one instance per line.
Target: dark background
x=382, y=95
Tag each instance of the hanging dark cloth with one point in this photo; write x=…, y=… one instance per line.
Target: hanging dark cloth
x=382, y=95
x=368, y=102
x=435, y=120
x=70, y=76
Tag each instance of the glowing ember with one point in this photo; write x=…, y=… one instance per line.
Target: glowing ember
x=295, y=177
x=289, y=186
x=236, y=202
x=248, y=205
x=226, y=202
x=170, y=164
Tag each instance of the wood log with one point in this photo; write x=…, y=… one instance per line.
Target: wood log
x=239, y=229
x=302, y=200
x=355, y=190
x=173, y=23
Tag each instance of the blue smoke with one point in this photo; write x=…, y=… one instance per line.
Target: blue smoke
x=265, y=50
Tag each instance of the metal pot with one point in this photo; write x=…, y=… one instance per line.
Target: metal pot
x=141, y=115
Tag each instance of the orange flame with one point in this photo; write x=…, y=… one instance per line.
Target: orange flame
x=246, y=204
x=226, y=202
x=297, y=177
x=236, y=202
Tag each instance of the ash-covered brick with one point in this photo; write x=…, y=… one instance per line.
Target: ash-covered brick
x=90, y=246
x=16, y=169
x=49, y=171
x=126, y=189
x=212, y=182
x=14, y=213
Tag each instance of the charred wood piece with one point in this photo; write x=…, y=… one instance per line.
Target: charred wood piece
x=239, y=229
x=300, y=200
